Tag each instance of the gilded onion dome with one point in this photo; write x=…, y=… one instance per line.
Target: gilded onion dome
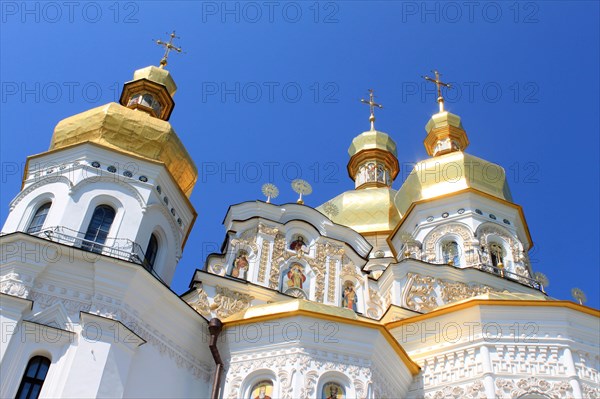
x=450, y=173
x=450, y=170
x=138, y=126
x=373, y=166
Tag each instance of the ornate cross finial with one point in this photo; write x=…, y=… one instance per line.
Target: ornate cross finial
x=439, y=85
x=372, y=105
x=168, y=47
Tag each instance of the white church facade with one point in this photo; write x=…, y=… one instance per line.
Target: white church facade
x=422, y=292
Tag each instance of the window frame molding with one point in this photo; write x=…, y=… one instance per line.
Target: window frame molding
x=35, y=339
x=446, y=239
x=34, y=380
x=35, y=214
x=32, y=208
x=104, y=199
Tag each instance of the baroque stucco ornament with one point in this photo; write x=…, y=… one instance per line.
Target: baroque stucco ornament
x=228, y=302
x=507, y=389
x=425, y=293
x=432, y=239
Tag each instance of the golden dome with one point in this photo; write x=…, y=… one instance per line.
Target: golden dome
x=445, y=133
x=135, y=132
x=368, y=210
x=449, y=173
x=442, y=119
x=157, y=75
x=373, y=150
x=372, y=140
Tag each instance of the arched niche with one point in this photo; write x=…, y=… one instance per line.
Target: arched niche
x=490, y=234
x=251, y=386
x=300, y=237
x=331, y=379
x=297, y=278
x=457, y=231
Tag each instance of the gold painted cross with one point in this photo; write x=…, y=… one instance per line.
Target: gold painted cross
x=168, y=47
x=439, y=85
x=372, y=106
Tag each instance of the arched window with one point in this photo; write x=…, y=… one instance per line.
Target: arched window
x=39, y=218
x=496, y=255
x=151, y=252
x=349, y=297
x=33, y=378
x=296, y=281
x=333, y=390
x=451, y=253
x=97, y=231
x=262, y=390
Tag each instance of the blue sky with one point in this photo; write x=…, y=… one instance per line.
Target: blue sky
x=269, y=91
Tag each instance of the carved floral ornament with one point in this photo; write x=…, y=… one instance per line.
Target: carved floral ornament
x=431, y=240
x=425, y=293
x=267, y=230
x=487, y=230
x=592, y=392
x=228, y=302
x=375, y=308
x=475, y=390
x=287, y=363
x=225, y=303
x=201, y=305
x=13, y=284
x=508, y=389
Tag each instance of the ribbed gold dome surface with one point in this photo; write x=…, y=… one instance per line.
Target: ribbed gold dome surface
x=135, y=132
x=371, y=140
x=366, y=211
x=445, y=174
x=157, y=75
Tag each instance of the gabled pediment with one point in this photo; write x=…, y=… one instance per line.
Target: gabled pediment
x=54, y=316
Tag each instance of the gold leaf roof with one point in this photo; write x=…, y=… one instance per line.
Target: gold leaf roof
x=157, y=75
x=115, y=126
x=367, y=210
x=372, y=139
x=443, y=119
x=449, y=173
x=285, y=307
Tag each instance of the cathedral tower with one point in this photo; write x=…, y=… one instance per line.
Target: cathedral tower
x=457, y=209
x=89, y=248
x=115, y=181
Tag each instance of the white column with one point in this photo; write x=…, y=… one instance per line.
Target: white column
x=572, y=373
x=488, y=376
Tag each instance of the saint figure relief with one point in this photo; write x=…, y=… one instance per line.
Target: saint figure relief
x=296, y=276
x=262, y=393
x=333, y=391
x=349, y=296
x=240, y=265
x=262, y=390
x=298, y=244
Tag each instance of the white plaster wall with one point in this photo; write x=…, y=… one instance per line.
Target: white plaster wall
x=75, y=188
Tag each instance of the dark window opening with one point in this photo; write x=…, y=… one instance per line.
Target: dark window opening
x=33, y=378
x=98, y=229
x=451, y=253
x=497, y=258
x=151, y=252
x=39, y=218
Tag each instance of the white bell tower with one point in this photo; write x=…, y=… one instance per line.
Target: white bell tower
x=115, y=181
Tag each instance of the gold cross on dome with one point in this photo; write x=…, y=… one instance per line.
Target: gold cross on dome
x=439, y=85
x=372, y=106
x=168, y=47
